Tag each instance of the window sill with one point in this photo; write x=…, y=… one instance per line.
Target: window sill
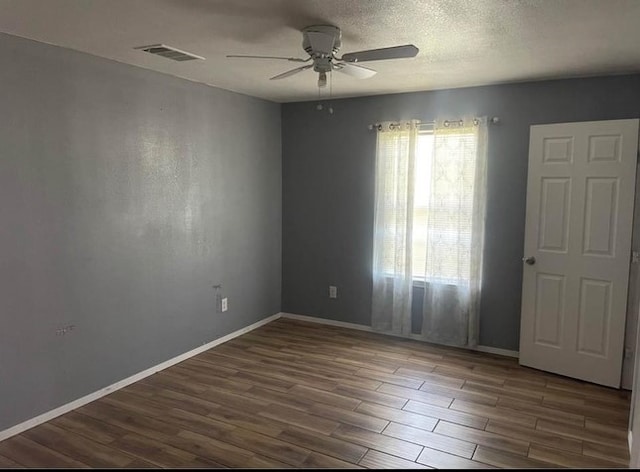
x=417, y=283
x=420, y=283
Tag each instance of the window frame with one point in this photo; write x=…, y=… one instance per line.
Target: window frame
x=418, y=281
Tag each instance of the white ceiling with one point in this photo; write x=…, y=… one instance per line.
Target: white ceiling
x=462, y=42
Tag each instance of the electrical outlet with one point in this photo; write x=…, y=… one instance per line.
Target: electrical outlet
x=635, y=257
x=333, y=291
x=224, y=306
x=628, y=353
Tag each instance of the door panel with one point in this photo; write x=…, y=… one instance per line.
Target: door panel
x=594, y=317
x=549, y=309
x=580, y=195
x=601, y=210
x=554, y=211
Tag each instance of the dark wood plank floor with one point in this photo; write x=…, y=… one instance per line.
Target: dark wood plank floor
x=298, y=394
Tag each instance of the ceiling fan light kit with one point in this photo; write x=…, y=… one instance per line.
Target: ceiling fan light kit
x=322, y=43
x=322, y=79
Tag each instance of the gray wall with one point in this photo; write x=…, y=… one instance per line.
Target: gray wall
x=124, y=196
x=328, y=188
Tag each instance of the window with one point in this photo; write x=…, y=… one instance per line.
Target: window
x=442, y=208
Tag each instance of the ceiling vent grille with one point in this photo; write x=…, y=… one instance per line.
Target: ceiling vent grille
x=169, y=52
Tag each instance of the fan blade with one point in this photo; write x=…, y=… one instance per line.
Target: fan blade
x=321, y=42
x=353, y=70
x=292, y=59
x=291, y=72
x=396, y=52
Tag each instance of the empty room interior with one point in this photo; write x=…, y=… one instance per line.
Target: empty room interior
x=319, y=233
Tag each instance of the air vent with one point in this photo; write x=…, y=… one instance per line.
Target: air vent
x=169, y=52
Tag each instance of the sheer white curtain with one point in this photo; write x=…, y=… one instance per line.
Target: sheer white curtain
x=454, y=233
x=429, y=229
x=392, y=270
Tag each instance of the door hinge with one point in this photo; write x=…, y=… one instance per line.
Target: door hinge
x=635, y=257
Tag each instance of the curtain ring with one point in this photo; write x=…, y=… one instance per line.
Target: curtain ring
x=446, y=123
x=476, y=121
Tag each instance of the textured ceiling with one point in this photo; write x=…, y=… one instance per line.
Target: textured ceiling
x=462, y=42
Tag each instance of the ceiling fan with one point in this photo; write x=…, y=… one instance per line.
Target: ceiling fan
x=322, y=42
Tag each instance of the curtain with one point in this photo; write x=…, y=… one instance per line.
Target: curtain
x=454, y=233
x=430, y=195
x=393, y=216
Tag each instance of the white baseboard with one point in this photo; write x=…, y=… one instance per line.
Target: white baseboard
x=343, y=324
x=314, y=319
x=499, y=351
x=61, y=410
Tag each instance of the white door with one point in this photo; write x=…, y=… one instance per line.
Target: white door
x=580, y=196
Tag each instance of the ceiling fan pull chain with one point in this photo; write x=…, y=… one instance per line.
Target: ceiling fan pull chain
x=330, y=91
x=319, y=105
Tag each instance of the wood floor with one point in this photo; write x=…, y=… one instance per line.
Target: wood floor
x=297, y=394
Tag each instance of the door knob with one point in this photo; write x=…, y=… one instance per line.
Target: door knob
x=529, y=260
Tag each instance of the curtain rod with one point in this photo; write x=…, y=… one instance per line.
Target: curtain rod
x=494, y=120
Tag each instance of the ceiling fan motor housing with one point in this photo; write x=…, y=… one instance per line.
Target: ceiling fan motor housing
x=321, y=40
x=322, y=64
